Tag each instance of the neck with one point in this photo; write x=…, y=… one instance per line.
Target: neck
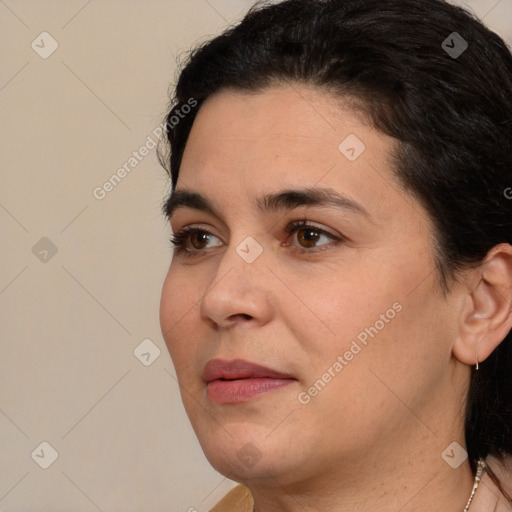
x=401, y=469
x=411, y=487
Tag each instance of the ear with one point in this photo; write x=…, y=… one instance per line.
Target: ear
x=486, y=316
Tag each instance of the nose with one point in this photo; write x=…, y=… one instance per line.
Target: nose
x=238, y=293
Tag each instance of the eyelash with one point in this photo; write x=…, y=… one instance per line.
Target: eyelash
x=179, y=239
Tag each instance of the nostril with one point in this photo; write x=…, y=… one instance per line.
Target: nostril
x=244, y=316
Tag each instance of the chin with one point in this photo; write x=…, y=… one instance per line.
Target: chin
x=242, y=454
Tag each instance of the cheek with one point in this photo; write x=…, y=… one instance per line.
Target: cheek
x=178, y=310
x=375, y=310
x=334, y=307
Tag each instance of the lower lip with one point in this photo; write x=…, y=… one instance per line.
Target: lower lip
x=236, y=391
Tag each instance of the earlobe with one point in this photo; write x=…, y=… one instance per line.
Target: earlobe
x=486, y=314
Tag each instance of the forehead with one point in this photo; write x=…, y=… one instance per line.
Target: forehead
x=246, y=144
x=278, y=127
x=294, y=119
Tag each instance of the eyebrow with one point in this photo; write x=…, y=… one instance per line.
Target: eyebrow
x=283, y=200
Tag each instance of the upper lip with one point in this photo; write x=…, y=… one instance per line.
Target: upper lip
x=238, y=369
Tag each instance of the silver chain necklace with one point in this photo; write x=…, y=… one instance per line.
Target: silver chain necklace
x=478, y=477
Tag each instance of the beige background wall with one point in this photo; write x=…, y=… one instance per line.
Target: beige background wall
x=80, y=272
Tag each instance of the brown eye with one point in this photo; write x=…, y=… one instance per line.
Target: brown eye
x=308, y=237
x=190, y=241
x=199, y=239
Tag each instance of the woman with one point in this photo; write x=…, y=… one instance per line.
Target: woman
x=338, y=307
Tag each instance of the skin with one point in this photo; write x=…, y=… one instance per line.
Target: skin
x=372, y=438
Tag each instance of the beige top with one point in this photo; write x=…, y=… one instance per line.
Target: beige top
x=488, y=498
x=239, y=499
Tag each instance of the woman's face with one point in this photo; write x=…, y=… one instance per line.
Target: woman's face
x=345, y=311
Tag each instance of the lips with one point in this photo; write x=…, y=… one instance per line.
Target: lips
x=237, y=380
x=218, y=369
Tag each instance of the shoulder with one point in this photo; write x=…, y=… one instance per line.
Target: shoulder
x=503, y=470
x=488, y=495
x=239, y=499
